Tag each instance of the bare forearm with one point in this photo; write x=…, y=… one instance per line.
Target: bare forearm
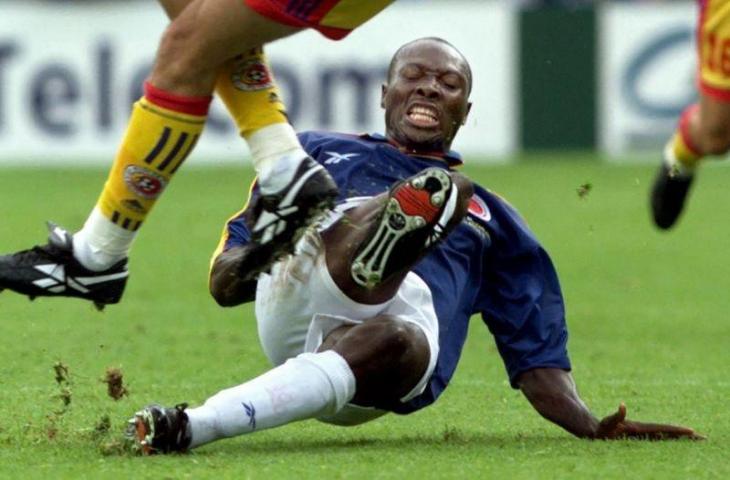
x=226, y=285
x=553, y=394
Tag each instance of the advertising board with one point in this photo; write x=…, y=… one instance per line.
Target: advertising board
x=647, y=73
x=70, y=71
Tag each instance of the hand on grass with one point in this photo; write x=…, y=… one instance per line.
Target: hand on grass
x=616, y=426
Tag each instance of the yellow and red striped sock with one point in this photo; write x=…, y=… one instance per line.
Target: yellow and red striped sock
x=682, y=147
x=247, y=87
x=162, y=132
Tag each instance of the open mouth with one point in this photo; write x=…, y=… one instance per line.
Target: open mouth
x=423, y=116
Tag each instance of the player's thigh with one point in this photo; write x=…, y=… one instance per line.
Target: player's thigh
x=715, y=123
x=209, y=32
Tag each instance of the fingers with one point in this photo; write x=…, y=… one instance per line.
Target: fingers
x=612, y=426
x=657, y=431
x=610, y=423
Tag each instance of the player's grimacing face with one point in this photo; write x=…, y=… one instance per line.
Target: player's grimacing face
x=426, y=98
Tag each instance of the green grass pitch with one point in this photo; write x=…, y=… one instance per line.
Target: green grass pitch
x=647, y=312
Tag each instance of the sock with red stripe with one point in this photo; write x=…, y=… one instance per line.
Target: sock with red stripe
x=161, y=133
x=681, y=153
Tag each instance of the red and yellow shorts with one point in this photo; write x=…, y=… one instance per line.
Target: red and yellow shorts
x=334, y=19
x=713, y=44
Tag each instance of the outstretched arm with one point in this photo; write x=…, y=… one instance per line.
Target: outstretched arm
x=553, y=393
x=226, y=285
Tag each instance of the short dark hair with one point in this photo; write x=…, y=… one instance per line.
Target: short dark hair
x=397, y=53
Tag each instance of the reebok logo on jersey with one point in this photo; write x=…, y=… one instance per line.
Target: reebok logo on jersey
x=336, y=157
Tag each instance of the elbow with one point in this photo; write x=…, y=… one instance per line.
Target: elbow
x=222, y=298
x=217, y=290
x=228, y=290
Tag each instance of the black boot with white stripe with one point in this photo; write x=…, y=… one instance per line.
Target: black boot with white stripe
x=278, y=221
x=52, y=271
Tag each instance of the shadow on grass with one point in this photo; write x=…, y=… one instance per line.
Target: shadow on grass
x=446, y=439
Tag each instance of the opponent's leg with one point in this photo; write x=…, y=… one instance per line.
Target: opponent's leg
x=163, y=129
x=704, y=129
x=676, y=171
x=247, y=87
x=193, y=49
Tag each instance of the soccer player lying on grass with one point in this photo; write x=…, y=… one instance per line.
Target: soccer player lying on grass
x=370, y=314
x=209, y=45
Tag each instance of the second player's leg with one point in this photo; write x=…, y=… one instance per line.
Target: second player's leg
x=204, y=35
x=704, y=128
x=710, y=127
x=372, y=226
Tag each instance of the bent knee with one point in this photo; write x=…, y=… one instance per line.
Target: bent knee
x=714, y=139
x=183, y=53
x=403, y=343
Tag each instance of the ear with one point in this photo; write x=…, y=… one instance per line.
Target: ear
x=466, y=115
x=383, y=92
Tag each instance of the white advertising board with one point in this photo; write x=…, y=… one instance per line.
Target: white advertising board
x=647, y=73
x=70, y=71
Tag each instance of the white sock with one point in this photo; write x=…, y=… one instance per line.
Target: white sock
x=307, y=386
x=677, y=168
x=101, y=243
x=276, y=153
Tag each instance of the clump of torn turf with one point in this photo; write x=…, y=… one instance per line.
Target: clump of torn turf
x=114, y=380
x=452, y=435
x=62, y=376
x=584, y=190
x=115, y=447
x=103, y=426
x=63, y=381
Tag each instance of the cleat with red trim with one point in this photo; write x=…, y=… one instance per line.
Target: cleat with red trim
x=413, y=221
x=156, y=429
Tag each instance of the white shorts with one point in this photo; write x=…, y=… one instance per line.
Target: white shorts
x=299, y=304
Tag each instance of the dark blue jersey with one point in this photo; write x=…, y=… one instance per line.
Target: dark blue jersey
x=490, y=265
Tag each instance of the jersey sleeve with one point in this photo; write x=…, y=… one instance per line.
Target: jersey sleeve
x=312, y=142
x=522, y=304
x=235, y=230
